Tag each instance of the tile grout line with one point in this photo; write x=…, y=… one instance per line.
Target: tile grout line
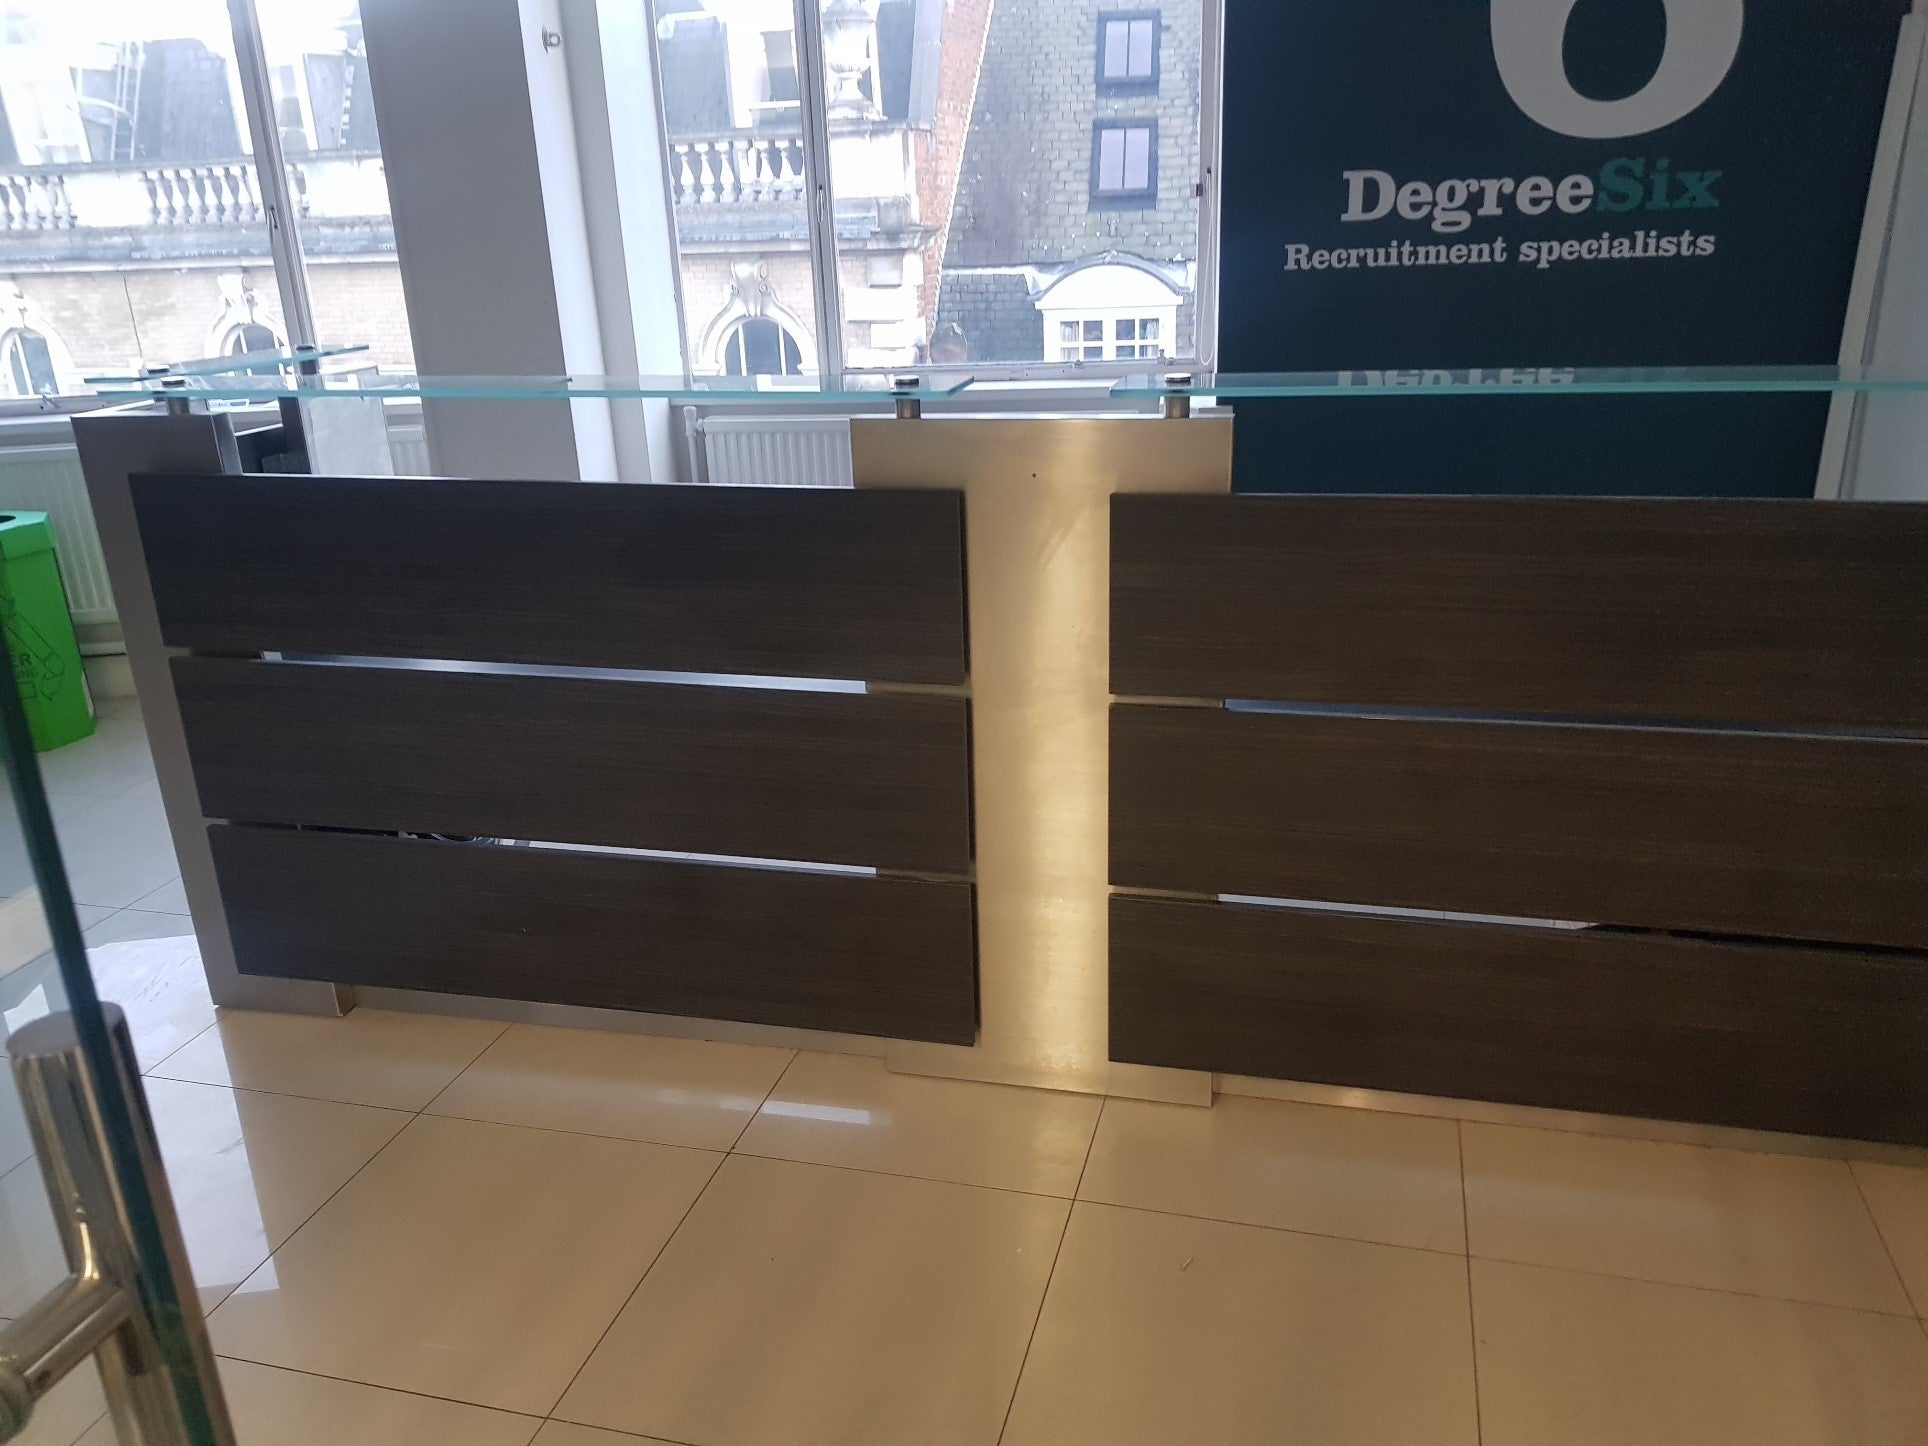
x=782, y=1074
x=307, y=1219
x=1882, y=1235
x=1044, y=1295
x=375, y=1386
x=473, y=1061
x=1501, y=1260
x=1472, y=1310
x=1703, y=1289
x=682, y=1220
x=722, y=1160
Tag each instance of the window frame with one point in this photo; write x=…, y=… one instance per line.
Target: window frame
x=1131, y=198
x=738, y=335
x=1130, y=84
x=1107, y=343
x=1201, y=355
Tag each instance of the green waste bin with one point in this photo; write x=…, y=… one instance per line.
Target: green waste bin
x=40, y=632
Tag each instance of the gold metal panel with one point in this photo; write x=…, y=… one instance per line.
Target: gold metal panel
x=1037, y=522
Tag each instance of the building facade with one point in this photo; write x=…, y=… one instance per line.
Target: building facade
x=1013, y=180
x=1075, y=236
x=131, y=225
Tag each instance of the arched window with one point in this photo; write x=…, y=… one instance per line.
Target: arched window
x=247, y=336
x=760, y=347
x=28, y=362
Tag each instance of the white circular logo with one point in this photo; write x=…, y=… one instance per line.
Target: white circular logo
x=1529, y=42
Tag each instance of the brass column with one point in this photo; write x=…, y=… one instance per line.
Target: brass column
x=1038, y=542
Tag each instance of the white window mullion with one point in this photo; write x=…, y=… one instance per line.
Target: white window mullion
x=821, y=204
x=271, y=174
x=1211, y=65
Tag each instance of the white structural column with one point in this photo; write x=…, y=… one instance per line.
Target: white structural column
x=629, y=225
x=485, y=189
x=1037, y=530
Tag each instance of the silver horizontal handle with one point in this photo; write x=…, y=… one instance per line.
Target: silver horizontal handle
x=57, y=1333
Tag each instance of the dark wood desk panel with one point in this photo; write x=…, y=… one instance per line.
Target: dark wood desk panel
x=1797, y=837
x=1763, y=1036
x=1716, y=610
x=802, y=582
x=858, y=954
x=880, y=780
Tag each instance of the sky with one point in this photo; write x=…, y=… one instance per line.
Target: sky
x=289, y=27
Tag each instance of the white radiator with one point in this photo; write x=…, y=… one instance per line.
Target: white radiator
x=408, y=443
x=777, y=451
x=47, y=479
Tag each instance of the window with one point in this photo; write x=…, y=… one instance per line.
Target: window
x=1124, y=338
x=780, y=66
x=1136, y=337
x=140, y=199
x=759, y=347
x=29, y=363
x=964, y=158
x=248, y=336
x=1128, y=51
x=1081, y=341
x=1124, y=163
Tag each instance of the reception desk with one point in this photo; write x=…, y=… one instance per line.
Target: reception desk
x=1038, y=757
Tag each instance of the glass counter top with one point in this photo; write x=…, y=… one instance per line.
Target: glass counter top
x=228, y=385
x=261, y=377
x=1543, y=381
x=237, y=364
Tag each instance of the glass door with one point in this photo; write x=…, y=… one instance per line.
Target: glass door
x=91, y=1259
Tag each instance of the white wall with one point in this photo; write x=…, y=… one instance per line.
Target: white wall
x=493, y=280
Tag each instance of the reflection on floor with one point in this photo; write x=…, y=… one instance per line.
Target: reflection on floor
x=411, y=1229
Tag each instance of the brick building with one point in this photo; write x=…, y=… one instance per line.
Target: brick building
x=1075, y=234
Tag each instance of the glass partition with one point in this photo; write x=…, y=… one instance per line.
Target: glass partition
x=266, y=378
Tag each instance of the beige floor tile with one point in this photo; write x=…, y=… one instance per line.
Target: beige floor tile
x=841, y=1109
x=561, y=1433
x=1898, y=1196
x=475, y=1261
x=1160, y=1329
x=1775, y=1225
x=247, y=1169
x=669, y=1091
x=1353, y=1173
x=63, y=1416
x=108, y=763
x=150, y=965
x=167, y=899
x=1567, y=1359
x=286, y=1408
x=119, y=849
x=368, y=1057
x=124, y=925
x=807, y=1306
